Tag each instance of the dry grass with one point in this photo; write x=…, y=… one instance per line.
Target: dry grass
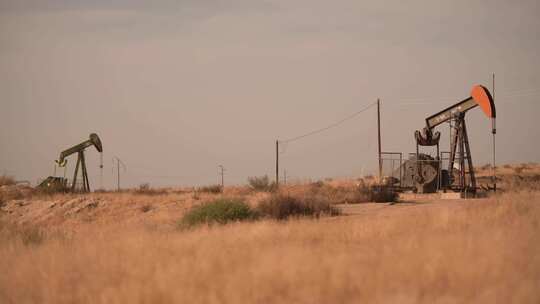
x=513, y=178
x=6, y=180
x=480, y=251
x=341, y=191
x=125, y=248
x=282, y=207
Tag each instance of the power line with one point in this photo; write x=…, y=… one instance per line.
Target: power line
x=522, y=90
x=333, y=125
x=519, y=95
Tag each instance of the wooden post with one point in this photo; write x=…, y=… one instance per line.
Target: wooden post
x=379, y=136
x=277, y=162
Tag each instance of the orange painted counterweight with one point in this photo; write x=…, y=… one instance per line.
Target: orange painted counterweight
x=483, y=98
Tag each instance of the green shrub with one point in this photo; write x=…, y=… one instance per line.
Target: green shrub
x=211, y=189
x=261, y=183
x=281, y=207
x=219, y=211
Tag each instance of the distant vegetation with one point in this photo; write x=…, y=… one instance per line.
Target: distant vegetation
x=261, y=183
x=210, y=189
x=147, y=190
x=6, y=180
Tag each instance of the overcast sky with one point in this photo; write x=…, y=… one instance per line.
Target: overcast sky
x=176, y=88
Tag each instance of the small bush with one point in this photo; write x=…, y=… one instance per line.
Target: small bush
x=519, y=169
x=211, y=189
x=282, y=207
x=146, y=208
x=379, y=194
x=219, y=211
x=261, y=183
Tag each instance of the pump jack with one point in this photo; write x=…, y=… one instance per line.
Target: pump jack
x=60, y=184
x=460, y=152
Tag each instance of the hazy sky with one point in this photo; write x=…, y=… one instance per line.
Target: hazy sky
x=175, y=88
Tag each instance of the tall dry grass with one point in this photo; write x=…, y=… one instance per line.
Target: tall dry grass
x=6, y=180
x=479, y=251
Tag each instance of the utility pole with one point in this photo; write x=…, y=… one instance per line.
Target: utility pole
x=118, y=164
x=101, y=171
x=493, y=132
x=379, y=136
x=285, y=177
x=277, y=162
x=222, y=173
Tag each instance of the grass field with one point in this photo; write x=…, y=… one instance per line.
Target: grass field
x=126, y=248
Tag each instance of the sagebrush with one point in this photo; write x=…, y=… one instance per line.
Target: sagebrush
x=282, y=206
x=219, y=211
